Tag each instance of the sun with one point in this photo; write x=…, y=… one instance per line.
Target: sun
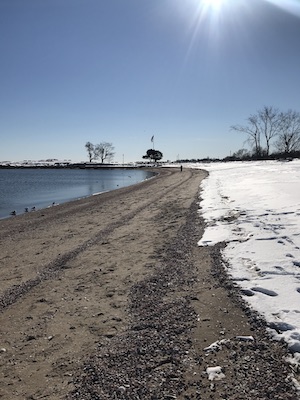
x=208, y=19
x=213, y=4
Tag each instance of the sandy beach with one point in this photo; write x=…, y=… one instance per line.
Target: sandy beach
x=110, y=297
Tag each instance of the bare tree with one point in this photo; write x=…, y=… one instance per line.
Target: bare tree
x=91, y=151
x=262, y=126
x=241, y=154
x=270, y=124
x=289, y=136
x=104, y=151
x=252, y=131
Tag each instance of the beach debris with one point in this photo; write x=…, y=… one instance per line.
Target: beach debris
x=215, y=373
x=245, y=338
x=216, y=346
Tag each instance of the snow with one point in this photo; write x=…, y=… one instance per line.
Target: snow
x=215, y=373
x=254, y=207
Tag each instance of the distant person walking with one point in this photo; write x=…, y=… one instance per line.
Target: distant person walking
x=180, y=168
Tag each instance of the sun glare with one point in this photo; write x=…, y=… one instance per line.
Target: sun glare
x=209, y=19
x=213, y=4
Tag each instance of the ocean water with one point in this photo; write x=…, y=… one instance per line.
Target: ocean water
x=40, y=188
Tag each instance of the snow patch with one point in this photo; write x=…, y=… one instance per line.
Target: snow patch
x=254, y=207
x=215, y=373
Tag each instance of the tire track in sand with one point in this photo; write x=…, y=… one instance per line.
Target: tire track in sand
x=13, y=294
x=83, y=303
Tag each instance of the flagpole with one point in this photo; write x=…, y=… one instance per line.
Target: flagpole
x=152, y=140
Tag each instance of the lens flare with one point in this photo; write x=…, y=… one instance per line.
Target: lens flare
x=291, y=6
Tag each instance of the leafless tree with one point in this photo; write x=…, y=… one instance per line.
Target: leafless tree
x=241, y=154
x=104, y=151
x=252, y=131
x=262, y=126
x=91, y=151
x=270, y=124
x=289, y=136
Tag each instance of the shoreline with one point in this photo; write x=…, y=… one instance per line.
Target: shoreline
x=43, y=199
x=82, y=165
x=110, y=296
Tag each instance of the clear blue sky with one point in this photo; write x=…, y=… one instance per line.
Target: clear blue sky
x=122, y=71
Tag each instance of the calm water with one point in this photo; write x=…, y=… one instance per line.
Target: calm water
x=20, y=188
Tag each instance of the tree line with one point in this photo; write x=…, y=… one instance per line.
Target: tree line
x=105, y=152
x=267, y=129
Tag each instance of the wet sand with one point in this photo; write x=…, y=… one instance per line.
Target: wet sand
x=110, y=297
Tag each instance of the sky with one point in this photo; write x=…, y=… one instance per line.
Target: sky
x=122, y=71
x=255, y=209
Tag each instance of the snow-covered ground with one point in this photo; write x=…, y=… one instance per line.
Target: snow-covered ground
x=255, y=208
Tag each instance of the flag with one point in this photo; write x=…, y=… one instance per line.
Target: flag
x=152, y=138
